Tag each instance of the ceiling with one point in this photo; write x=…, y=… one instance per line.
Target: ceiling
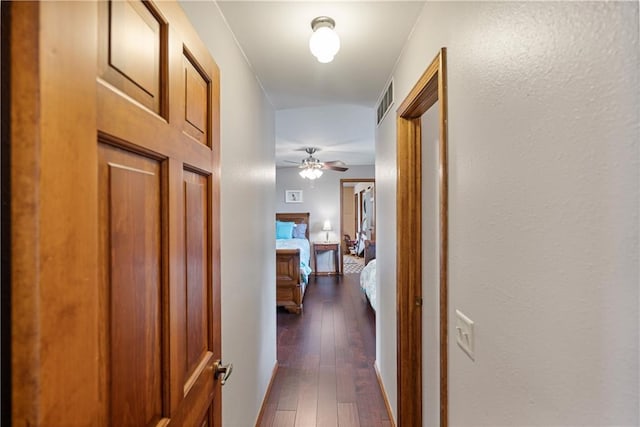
x=275, y=39
x=341, y=132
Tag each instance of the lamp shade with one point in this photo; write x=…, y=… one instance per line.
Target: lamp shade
x=327, y=227
x=324, y=42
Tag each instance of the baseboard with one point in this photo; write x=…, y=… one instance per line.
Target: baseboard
x=384, y=394
x=266, y=394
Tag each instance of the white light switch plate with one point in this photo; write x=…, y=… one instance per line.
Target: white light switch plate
x=464, y=334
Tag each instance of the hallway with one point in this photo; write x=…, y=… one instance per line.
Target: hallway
x=326, y=375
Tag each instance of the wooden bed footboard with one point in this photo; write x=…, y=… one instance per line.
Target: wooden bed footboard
x=288, y=282
x=289, y=286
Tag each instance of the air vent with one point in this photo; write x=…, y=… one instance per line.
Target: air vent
x=386, y=101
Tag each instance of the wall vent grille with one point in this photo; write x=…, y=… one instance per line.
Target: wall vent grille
x=386, y=101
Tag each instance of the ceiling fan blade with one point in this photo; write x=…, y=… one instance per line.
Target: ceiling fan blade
x=336, y=168
x=335, y=165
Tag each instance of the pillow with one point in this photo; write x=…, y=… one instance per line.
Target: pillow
x=300, y=231
x=284, y=230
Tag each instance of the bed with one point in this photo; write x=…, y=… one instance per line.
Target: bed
x=368, y=274
x=292, y=261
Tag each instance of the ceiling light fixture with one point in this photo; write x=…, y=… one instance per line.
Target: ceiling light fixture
x=311, y=170
x=324, y=42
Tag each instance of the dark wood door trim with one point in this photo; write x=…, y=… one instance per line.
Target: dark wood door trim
x=431, y=87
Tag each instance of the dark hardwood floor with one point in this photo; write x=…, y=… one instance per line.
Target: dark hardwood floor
x=325, y=356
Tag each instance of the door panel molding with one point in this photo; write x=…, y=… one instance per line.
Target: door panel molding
x=130, y=223
x=198, y=92
x=133, y=51
x=198, y=281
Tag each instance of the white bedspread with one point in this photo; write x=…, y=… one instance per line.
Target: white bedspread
x=368, y=283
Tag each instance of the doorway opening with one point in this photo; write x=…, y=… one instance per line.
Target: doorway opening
x=357, y=218
x=429, y=89
x=325, y=354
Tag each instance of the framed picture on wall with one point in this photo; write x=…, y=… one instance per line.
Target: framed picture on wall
x=293, y=196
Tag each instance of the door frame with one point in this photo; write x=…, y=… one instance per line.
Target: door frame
x=342, y=182
x=5, y=215
x=430, y=87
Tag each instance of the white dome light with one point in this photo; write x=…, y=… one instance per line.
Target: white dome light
x=324, y=42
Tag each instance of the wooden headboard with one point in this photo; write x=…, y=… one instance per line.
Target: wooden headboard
x=298, y=218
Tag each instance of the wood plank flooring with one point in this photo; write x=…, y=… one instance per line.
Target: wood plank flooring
x=326, y=376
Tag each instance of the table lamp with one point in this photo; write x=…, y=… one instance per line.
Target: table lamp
x=327, y=227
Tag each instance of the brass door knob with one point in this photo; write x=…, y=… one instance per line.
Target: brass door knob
x=224, y=370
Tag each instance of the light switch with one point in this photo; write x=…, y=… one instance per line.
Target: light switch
x=464, y=334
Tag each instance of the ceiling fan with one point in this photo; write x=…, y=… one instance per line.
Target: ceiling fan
x=312, y=167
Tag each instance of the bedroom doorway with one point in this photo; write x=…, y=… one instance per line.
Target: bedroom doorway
x=357, y=215
x=429, y=92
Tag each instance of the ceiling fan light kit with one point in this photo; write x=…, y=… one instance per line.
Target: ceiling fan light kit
x=311, y=173
x=311, y=167
x=324, y=42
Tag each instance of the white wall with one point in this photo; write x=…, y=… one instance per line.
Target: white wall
x=248, y=206
x=321, y=199
x=544, y=230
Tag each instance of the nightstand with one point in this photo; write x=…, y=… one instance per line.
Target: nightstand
x=327, y=246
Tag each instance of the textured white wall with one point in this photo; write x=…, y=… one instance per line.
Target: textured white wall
x=248, y=206
x=321, y=199
x=386, y=255
x=544, y=185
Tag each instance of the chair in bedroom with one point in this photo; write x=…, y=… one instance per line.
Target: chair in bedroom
x=349, y=245
x=359, y=244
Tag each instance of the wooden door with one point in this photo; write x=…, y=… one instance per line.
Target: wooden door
x=119, y=322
